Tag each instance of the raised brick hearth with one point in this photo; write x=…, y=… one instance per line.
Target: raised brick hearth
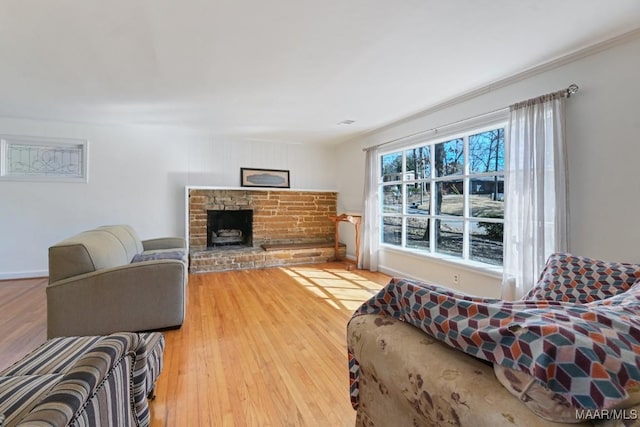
x=279, y=217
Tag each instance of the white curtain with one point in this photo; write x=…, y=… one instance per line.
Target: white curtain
x=535, y=191
x=370, y=223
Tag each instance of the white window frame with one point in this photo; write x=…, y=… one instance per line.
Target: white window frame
x=67, y=158
x=498, y=120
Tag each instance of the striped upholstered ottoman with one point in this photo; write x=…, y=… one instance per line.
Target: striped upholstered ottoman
x=100, y=380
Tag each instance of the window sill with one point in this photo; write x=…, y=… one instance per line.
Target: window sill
x=472, y=266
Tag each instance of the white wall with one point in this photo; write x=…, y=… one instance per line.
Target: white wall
x=137, y=176
x=603, y=126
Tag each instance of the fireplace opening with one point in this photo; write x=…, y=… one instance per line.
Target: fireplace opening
x=225, y=228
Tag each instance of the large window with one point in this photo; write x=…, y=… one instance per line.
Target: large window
x=446, y=197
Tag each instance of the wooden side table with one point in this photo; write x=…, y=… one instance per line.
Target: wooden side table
x=356, y=220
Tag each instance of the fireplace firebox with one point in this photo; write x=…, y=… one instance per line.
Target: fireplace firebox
x=229, y=227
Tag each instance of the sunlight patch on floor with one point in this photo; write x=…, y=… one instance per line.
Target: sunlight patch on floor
x=340, y=289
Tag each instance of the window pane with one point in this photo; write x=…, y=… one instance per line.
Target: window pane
x=418, y=166
x=424, y=204
x=449, y=198
x=487, y=197
x=391, y=166
x=485, y=242
x=392, y=198
x=449, y=237
x=486, y=151
x=418, y=233
x=418, y=198
x=449, y=158
x=392, y=230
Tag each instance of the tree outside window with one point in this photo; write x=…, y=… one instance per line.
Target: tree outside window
x=446, y=197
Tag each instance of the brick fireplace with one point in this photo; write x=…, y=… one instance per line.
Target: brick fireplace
x=293, y=226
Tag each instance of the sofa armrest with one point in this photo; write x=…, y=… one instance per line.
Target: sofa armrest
x=164, y=243
x=103, y=374
x=135, y=297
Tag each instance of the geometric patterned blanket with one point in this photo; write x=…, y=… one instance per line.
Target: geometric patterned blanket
x=587, y=352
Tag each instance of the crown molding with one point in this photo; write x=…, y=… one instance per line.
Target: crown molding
x=514, y=78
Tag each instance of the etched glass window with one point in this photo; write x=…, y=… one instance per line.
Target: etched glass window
x=26, y=158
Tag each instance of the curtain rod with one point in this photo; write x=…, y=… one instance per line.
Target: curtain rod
x=573, y=88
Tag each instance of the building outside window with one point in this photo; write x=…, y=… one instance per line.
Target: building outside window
x=446, y=197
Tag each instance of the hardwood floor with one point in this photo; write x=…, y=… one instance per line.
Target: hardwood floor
x=258, y=347
x=23, y=321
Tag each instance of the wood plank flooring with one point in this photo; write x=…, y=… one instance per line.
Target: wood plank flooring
x=23, y=318
x=258, y=347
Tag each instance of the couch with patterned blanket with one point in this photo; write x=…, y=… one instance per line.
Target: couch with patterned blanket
x=107, y=280
x=83, y=381
x=568, y=352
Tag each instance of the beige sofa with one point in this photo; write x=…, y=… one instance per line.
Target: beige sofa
x=402, y=376
x=408, y=378
x=107, y=280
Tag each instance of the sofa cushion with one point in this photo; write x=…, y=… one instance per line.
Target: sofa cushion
x=19, y=394
x=55, y=356
x=84, y=253
x=127, y=237
x=153, y=255
x=572, y=278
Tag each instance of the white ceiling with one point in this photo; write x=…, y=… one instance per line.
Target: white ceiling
x=277, y=70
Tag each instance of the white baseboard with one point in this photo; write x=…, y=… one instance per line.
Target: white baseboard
x=24, y=274
x=395, y=273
